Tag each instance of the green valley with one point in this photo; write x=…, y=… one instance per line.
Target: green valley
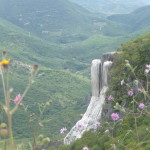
x=62, y=38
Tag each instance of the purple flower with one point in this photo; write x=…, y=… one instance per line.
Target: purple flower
x=130, y=92
x=18, y=99
x=106, y=131
x=79, y=125
x=122, y=82
x=110, y=97
x=141, y=105
x=85, y=148
x=115, y=116
x=63, y=130
x=148, y=67
x=97, y=124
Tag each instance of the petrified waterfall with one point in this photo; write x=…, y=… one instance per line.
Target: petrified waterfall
x=99, y=77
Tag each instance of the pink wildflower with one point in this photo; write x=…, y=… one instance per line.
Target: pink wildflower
x=85, y=148
x=141, y=105
x=97, y=124
x=110, y=97
x=130, y=92
x=18, y=99
x=63, y=130
x=148, y=67
x=115, y=116
x=79, y=125
x=122, y=82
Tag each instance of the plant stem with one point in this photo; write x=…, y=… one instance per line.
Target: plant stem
x=9, y=115
x=4, y=88
x=135, y=121
x=5, y=145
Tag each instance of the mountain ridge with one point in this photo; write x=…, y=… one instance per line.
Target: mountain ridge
x=111, y=6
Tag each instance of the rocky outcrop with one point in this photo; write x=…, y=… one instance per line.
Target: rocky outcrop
x=99, y=77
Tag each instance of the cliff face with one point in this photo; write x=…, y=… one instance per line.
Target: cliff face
x=99, y=76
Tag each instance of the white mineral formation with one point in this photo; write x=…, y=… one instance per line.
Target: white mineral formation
x=99, y=77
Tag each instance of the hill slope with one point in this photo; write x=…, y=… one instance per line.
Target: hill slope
x=130, y=131
x=65, y=89
x=112, y=6
x=49, y=19
x=138, y=19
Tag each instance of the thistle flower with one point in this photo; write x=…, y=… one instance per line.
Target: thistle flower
x=18, y=99
x=141, y=105
x=97, y=124
x=130, y=92
x=148, y=67
x=115, y=116
x=110, y=97
x=63, y=130
x=80, y=126
x=85, y=148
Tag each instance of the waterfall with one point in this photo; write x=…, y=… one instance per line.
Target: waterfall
x=99, y=77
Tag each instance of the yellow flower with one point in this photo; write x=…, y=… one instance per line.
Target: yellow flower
x=4, y=62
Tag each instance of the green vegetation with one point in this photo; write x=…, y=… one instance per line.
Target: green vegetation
x=132, y=131
x=137, y=53
x=136, y=20
x=66, y=91
x=64, y=53
x=58, y=21
x=111, y=6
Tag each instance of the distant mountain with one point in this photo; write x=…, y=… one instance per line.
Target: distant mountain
x=138, y=19
x=50, y=19
x=111, y=6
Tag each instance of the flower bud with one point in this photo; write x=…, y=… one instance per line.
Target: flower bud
x=40, y=137
x=136, y=82
x=47, y=103
x=11, y=90
x=4, y=52
x=3, y=132
x=127, y=61
x=128, y=65
x=46, y=140
x=35, y=67
x=3, y=125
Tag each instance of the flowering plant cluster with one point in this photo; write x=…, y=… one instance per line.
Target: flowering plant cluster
x=140, y=103
x=6, y=130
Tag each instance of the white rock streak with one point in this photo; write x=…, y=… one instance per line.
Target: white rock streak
x=99, y=77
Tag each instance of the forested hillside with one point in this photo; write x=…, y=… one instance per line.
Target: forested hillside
x=129, y=90
x=62, y=38
x=51, y=20
x=136, y=20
